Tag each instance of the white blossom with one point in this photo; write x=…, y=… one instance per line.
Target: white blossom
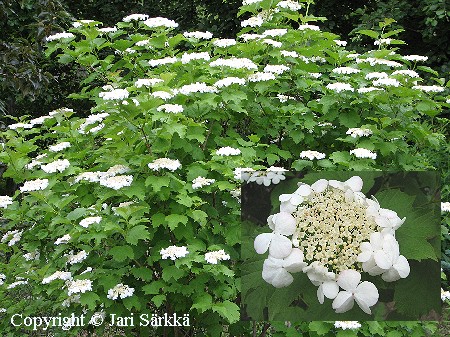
x=308, y=27
x=5, y=201
x=164, y=163
x=242, y=173
x=339, y=86
x=389, y=82
x=228, y=151
x=135, y=17
x=198, y=35
x=171, y=108
x=108, y=30
x=163, y=61
x=375, y=74
x=248, y=37
x=188, y=57
x=445, y=206
x=429, y=88
x=32, y=255
x=415, y=58
x=12, y=237
x=275, y=32
x=160, y=22
x=215, y=256
x=347, y=325
x=56, y=166
x=121, y=290
x=58, y=275
x=380, y=42
x=358, y=132
x=164, y=95
x=273, y=43
x=78, y=286
x=59, y=147
x=345, y=70
x=261, y=76
x=311, y=155
x=275, y=68
x=290, y=4
x=287, y=53
x=223, y=43
x=363, y=153
x=63, y=239
x=173, y=252
x=147, y=82
x=200, y=87
x=234, y=62
x=368, y=89
x=17, y=283
x=406, y=72
x=34, y=185
x=254, y=21
x=201, y=182
x=77, y=258
x=340, y=43
x=445, y=295
x=89, y=221
x=115, y=94
x=227, y=81
x=59, y=36
x=117, y=182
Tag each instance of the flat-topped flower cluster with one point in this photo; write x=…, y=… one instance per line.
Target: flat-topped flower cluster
x=332, y=232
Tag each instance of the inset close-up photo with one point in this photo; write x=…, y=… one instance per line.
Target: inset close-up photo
x=343, y=246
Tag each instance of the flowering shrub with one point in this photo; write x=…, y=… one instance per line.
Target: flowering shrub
x=147, y=184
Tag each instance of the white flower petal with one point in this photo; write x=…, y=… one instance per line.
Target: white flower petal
x=343, y=302
x=355, y=183
x=294, y=262
x=284, y=223
x=402, y=266
x=282, y=279
x=364, y=256
x=284, y=197
x=262, y=242
x=303, y=190
x=320, y=295
x=382, y=259
x=391, y=275
x=280, y=246
x=320, y=185
x=296, y=199
x=349, y=279
x=366, y=293
x=330, y=289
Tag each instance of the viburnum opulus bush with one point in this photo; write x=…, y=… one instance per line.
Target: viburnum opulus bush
x=135, y=208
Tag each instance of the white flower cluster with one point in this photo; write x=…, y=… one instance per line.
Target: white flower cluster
x=92, y=119
x=160, y=22
x=164, y=163
x=346, y=70
x=63, y=239
x=429, y=88
x=198, y=35
x=363, y=153
x=173, y=252
x=445, y=295
x=56, y=166
x=309, y=27
x=368, y=89
x=341, y=43
x=71, y=299
x=32, y=255
x=188, y=57
x=273, y=175
x=445, y=206
x=347, y=325
x=375, y=74
x=59, y=36
x=381, y=42
x=275, y=68
x=358, y=132
x=163, y=61
x=261, y=76
x=5, y=201
x=273, y=43
x=34, y=185
x=195, y=87
x=336, y=233
x=12, y=237
x=227, y=81
x=311, y=155
x=406, y=72
x=290, y=4
x=386, y=81
x=86, y=222
x=228, y=151
x=135, y=17
x=117, y=182
x=77, y=258
x=59, y=147
x=339, y=87
x=78, y=286
x=110, y=178
x=120, y=290
x=223, y=43
x=147, y=82
x=415, y=58
x=164, y=95
x=107, y=30
x=58, y=275
x=17, y=283
x=171, y=108
x=2, y=279
x=235, y=63
x=254, y=21
x=114, y=94
x=215, y=256
x=200, y=182
x=250, y=2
